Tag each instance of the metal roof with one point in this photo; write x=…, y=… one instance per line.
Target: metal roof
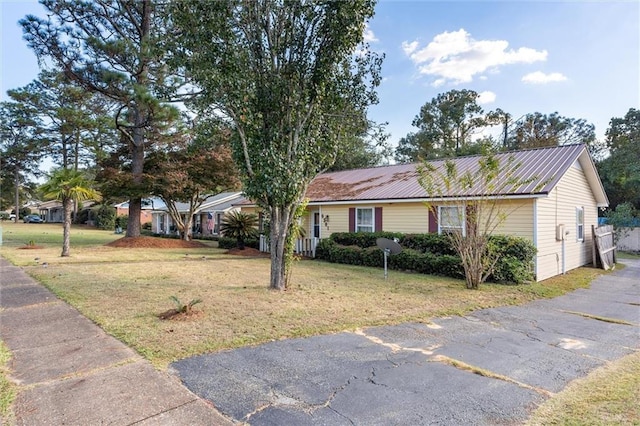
x=540, y=169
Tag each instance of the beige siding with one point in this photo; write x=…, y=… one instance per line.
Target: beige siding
x=560, y=208
x=338, y=219
x=409, y=218
x=515, y=217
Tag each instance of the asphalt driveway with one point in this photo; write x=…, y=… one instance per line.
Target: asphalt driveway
x=426, y=373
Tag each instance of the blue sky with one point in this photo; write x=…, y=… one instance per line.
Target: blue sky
x=581, y=59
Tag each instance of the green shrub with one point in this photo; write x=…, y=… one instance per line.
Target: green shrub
x=105, y=218
x=428, y=243
x=229, y=243
x=515, y=259
x=428, y=254
x=362, y=239
x=240, y=226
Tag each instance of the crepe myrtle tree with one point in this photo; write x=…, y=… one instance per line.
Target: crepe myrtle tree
x=288, y=75
x=480, y=210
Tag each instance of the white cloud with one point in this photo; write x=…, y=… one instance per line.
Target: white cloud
x=409, y=48
x=457, y=57
x=539, y=77
x=369, y=36
x=486, y=97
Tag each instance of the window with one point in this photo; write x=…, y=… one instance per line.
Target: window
x=450, y=219
x=316, y=224
x=580, y=223
x=364, y=220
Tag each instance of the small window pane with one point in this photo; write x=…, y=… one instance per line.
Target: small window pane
x=364, y=220
x=580, y=223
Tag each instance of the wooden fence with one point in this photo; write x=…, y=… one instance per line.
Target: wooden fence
x=304, y=246
x=604, y=248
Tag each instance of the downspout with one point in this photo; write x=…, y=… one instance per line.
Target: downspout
x=535, y=236
x=564, y=269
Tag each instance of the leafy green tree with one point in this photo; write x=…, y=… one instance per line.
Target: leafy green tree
x=620, y=172
x=239, y=225
x=289, y=75
x=21, y=146
x=191, y=171
x=540, y=130
x=68, y=186
x=366, y=148
x=624, y=217
x=114, y=48
x=446, y=126
x=483, y=211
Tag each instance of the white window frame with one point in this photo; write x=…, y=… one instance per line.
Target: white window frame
x=580, y=224
x=460, y=212
x=372, y=226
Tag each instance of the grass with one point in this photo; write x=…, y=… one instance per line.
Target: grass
x=7, y=388
x=124, y=291
x=607, y=396
x=626, y=255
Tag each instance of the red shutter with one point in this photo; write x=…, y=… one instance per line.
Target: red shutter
x=433, y=220
x=378, y=217
x=352, y=219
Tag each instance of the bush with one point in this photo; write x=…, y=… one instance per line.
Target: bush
x=362, y=239
x=105, y=218
x=515, y=259
x=429, y=243
x=428, y=254
x=407, y=260
x=229, y=243
x=81, y=217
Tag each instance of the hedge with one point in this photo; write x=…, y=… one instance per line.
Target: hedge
x=229, y=243
x=428, y=254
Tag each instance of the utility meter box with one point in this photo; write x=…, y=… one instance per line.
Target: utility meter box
x=560, y=232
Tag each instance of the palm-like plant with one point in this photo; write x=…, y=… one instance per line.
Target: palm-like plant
x=240, y=226
x=68, y=186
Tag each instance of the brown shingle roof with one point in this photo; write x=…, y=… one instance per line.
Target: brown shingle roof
x=543, y=167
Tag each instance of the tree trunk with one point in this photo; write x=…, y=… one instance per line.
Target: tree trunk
x=280, y=218
x=188, y=223
x=140, y=118
x=17, y=194
x=137, y=166
x=66, y=227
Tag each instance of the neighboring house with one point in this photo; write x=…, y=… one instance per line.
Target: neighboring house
x=51, y=211
x=389, y=198
x=122, y=209
x=207, y=217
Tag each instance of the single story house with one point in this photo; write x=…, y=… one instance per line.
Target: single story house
x=207, y=217
x=51, y=211
x=122, y=209
x=555, y=209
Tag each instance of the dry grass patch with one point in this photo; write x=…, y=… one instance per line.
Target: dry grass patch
x=607, y=396
x=126, y=297
x=126, y=289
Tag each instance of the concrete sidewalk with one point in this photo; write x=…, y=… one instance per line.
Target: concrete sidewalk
x=71, y=372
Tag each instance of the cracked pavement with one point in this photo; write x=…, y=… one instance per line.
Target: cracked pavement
x=427, y=373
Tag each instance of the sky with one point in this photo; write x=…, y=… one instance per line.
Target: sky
x=580, y=59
